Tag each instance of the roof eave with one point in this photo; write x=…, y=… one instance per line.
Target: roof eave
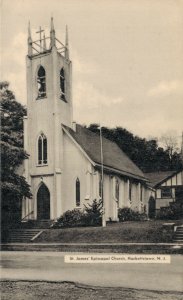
x=168, y=177
x=121, y=172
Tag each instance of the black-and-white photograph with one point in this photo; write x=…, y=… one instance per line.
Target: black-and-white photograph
x=91, y=103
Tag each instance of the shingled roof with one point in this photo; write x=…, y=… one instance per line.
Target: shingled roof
x=157, y=178
x=113, y=156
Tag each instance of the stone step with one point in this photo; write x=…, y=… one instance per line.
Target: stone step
x=178, y=241
x=178, y=235
x=20, y=235
x=41, y=224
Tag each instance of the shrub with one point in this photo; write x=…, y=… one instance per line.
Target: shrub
x=172, y=212
x=90, y=216
x=93, y=213
x=70, y=218
x=127, y=214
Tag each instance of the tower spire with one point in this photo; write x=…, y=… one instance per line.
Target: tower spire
x=29, y=40
x=66, y=44
x=52, y=34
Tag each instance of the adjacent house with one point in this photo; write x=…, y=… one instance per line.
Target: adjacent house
x=168, y=186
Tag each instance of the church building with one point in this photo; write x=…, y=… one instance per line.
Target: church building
x=68, y=165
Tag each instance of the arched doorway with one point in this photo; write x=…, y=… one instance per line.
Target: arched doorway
x=152, y=207
x=43, y=203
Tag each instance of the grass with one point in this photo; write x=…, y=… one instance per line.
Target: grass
x=23, y=290
x=135, y=232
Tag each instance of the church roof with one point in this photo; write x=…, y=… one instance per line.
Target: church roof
x=157, y=178
x=113, y=157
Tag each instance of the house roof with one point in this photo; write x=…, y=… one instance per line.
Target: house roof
x=113, y=157
x=157, y=178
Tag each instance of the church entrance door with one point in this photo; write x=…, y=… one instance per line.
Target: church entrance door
x=43, y=203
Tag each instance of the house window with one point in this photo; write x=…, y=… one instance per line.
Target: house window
x=62, y=84
x=166, y=192
x=41, y=83
x=78, y=192
x=117, y=189
x=42, y=150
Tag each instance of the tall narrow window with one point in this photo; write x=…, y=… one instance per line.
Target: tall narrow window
x=42, y=150
x=62, y=84
x=141, y=193
x=130, y=191
x=117, y=190
x=41, y=83
x=100, y=186
x=77, y=192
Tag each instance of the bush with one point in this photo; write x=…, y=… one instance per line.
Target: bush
x=90, y=216
x=70, y=218
x=93, y=213
x=172, y=212
x=127, y=214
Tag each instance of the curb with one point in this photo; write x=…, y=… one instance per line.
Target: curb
x=169, y=248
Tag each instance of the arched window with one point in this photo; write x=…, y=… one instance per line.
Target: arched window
x=141, y=193
x=41, y=83
x=100, y=186
x=62, y=84
x=42, y=150
x=117, y=190
x=130, y=191
x=77, y=192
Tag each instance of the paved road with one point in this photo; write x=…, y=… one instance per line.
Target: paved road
x=50, y=266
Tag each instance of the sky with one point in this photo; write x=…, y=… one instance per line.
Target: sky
x=127, y=58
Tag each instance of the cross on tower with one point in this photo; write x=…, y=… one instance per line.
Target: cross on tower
x=40, y=36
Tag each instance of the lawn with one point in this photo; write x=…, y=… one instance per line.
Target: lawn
x=136, y=232
x=24, y=290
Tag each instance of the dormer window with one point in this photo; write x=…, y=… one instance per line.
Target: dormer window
x=41, y=83
x=42, y=150
x=62, y=84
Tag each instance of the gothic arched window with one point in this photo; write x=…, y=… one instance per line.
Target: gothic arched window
x=117, y=190
x=130, y=191
x=62, y=84
x=41, y=82
x=100, y=186
x=77, y=192
x=42, y=150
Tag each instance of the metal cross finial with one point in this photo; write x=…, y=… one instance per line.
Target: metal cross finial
x=40, y=35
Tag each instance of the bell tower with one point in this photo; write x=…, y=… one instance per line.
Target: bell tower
x=49, y=104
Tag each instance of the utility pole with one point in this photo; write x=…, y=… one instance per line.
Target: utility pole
x=102, y=179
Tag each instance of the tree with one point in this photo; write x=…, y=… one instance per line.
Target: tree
x=13, y=185
x=94, y=212
x=170, y=144
x=146, y=154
